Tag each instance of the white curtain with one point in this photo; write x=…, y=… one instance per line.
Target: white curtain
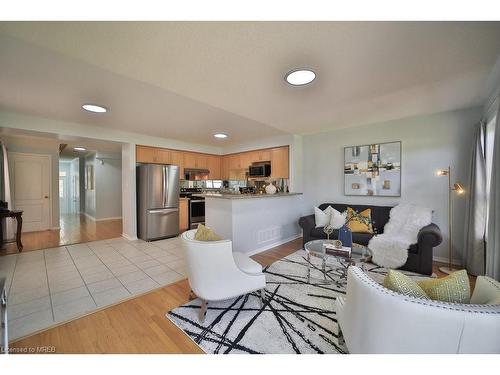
x=493, y=233
x=475, y=249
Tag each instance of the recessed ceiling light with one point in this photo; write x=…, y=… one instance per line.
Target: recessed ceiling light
x=94, y=108
x=300, y=76
x=220, y=135
x=79, y=148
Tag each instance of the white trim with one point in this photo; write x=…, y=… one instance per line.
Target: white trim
x=274, y=244
x=455, y=262
x=127, y=237
x=109, y=218
x=55, y=228
x=88, y=216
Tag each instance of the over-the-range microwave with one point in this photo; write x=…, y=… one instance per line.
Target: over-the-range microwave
x=259, y=170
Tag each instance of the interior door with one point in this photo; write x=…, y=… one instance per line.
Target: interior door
x=30, y=180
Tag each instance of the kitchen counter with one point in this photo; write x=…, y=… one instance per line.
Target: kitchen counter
x=254, y=222
x=244, y=196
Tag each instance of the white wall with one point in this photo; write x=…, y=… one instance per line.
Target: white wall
x=428, y=143
x=33, y=145
x=108, y=186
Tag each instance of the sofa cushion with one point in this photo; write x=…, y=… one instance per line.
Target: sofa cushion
x=359, y=222
x=206, y=234
x=486, y=291
x=361, y=238
x=453, y=288
x=246, y=264
x=379, y=214
x=400, y=283
x=322, y=217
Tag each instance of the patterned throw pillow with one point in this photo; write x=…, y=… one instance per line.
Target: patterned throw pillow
x=453, y=288
x=400, y=283
x=206, y=234
x=360, y=222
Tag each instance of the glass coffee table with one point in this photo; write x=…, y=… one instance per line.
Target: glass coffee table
x=359, y=256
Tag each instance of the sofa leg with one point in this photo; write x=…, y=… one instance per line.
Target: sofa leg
x=203, y=311
x=262, y=297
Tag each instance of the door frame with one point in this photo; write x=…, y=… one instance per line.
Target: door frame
x=14, y=153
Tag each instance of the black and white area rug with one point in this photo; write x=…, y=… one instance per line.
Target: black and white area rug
x=297, y=317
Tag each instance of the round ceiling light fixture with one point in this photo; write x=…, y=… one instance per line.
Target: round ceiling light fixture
x=300, y=76
x=94, y=108
x=220, y=135
x=79, y=148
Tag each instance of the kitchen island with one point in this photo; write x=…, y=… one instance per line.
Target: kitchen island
x=254, y=222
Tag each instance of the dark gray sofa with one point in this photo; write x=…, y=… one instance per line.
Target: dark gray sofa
x=419, y=254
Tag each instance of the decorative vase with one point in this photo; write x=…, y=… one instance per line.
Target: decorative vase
x=270, y=189
x=345, y=236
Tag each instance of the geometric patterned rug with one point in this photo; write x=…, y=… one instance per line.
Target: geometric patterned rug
x=298, y=317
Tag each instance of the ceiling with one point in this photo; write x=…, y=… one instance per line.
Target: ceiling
x=188, y=80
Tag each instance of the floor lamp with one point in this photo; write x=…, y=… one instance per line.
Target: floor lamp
x=459, y=190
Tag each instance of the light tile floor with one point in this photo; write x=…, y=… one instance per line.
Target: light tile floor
x=51, y=286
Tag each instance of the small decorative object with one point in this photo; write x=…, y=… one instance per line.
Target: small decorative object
x=328, y=229
x=345, y=236
x=270, y=189
x=373, y=169
x=337, y=244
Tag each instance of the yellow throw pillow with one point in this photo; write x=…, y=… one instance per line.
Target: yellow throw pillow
x=360, y=222
x=400, y=283
x=453, y=288
x=206, y=234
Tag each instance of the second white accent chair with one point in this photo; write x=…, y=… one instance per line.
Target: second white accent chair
x=217, y=273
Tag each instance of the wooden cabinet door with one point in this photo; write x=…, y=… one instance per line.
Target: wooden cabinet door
x=189, y=160
x=279, y=162
x=201, y=161
x=183, y=215
x=224, y=167
x=177, y=158
x=246, y=158
x=214, y=166
x=145, y=154
x=234, y=162
x=263, y=155
x=162, y=156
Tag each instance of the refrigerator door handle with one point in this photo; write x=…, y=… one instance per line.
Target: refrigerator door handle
x=164, y=185
x=163, y=211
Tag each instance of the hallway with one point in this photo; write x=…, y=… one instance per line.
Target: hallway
x=75, y=228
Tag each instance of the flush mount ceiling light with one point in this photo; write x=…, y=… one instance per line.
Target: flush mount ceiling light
x=79, y=148
x=300, y=76
x=94, y=108
x=220, y=135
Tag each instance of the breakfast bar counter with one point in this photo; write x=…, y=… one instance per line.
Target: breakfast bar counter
x=254, y=222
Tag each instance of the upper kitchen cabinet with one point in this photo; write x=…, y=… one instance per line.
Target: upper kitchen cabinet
x=195, y=161
x=214, y=166
x=261, y=155
x=163, y=156
x=177, y=158
x=145, y=154
x=279, y=162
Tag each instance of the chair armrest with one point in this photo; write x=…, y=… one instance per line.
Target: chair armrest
x=307, y=223
x=430, y=235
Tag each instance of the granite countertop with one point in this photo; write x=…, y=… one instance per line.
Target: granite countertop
x=244, y=196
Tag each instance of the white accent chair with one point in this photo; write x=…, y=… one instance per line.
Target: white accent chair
x=374, y=319
x=217, y=273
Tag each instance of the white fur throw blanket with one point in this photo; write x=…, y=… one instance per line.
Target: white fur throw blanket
x=390, y=249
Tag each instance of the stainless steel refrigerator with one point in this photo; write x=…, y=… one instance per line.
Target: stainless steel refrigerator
x=157, y=201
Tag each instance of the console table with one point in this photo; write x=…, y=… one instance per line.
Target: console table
x=18, y=215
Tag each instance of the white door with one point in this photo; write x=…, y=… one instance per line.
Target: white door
x=30, y=183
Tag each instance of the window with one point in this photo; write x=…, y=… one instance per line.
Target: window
x=489, y=143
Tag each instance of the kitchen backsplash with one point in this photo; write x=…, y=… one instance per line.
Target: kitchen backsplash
x=280, y=183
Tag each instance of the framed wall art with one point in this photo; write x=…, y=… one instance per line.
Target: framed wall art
x=373, y=170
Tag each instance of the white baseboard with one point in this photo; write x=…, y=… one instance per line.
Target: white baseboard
x=88, y=216
x=130, y=238
x=109, y=218
x=55, y=228
x=455, y=262
x=274, y=244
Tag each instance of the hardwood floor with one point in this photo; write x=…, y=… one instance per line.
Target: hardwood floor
x=74, y=229
x=137, y=325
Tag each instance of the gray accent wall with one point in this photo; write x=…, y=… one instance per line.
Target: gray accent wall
x=428, y=143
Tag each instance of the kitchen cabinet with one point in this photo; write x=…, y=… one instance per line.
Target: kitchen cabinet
x=177, y=158
x=214, y=166
x=224, y=167
x=196, y=161
x=279, y=162
x=262, y=155
x=162, y=156
x=145, y=154
x=183, y=214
